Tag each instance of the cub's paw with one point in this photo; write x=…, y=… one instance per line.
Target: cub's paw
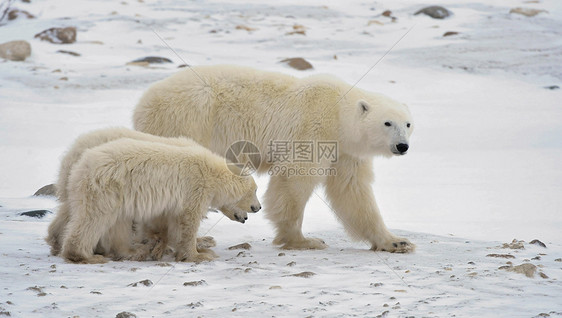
x=198, y=258
x=395, y=245
x=309, y=243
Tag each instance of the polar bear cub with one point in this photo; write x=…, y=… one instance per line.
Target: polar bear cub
x=108, y=243
x=127, y=179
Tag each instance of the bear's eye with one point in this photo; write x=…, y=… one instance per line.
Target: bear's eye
x=387, y=124
x=408, y=125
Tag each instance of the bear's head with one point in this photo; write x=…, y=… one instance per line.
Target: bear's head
x=378, y=126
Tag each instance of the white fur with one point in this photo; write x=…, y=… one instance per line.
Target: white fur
x=219, y=105
x=128, y=179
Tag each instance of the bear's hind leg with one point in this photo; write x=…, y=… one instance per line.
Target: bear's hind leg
x=57, y=227
x=284, y=203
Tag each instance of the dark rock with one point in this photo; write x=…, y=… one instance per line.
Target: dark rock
x=125, y=314
x=436, y=12
x=16, y=13
x=58, y=35
x=195, y=283
x=49, y=190
x=537, y=242
x=36, y=213
x=552, y=87
x=387, y=13
x=153, y=60
x=449, y=33
x=15, y=50
x=146, y=282
x=69, y=52
x=298, y=63
x=501, y=255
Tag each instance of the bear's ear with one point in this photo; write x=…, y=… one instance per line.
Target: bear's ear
x=363, y=106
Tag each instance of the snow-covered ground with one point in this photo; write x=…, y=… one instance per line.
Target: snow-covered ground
x=484, y=166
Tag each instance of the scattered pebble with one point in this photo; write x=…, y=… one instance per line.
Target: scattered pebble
x=450, y=33
x=281, y=254
x=69, y=52
x=501, y=255
x=298, y=63
x=146, y=61
x=526, y=268
x=552, y=87
x=36, y=213
x=515, y=245
x=243, y=246
x=146, y=282
x=376, y=284
x=15, y=50
x=292, y=264
x=58, y=35
x=195, y=283
x=303, y=274
x=436, y=12
x=50, y=189
x=125, y=314
x=16, y=13
x=245, y=27
x=537, y=242
x=275, y=287
x=528, y=12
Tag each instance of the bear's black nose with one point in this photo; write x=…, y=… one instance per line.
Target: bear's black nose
x=255, y=208
x=402, y=148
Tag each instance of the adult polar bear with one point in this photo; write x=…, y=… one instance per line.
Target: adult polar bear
x=219, y=105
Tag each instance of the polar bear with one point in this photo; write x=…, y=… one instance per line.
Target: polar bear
x=91, y=140
x=220, y=105
x=130, y=179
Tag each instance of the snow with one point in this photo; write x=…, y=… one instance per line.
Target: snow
x=483, y=169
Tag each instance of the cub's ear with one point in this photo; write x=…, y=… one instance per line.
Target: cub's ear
x=363, y=106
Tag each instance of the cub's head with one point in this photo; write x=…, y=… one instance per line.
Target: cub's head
x=382, y=125
x=247, y=203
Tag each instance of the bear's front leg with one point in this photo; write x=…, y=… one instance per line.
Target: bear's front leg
x=185, y=233
x=352, y=199
x=284, y=203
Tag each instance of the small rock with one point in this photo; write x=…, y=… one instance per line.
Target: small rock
x=558, y=260
x=526, y=268
x=303, y=274
x=275, y=287
x=537, y=242
x=281, y=254
x=543, y=275
x=243, y=246
x=297, y=29
x=58, y=35
x=376, y=284
x=125, y=314
x=500, y=255
x=298, y=63
x=50, y=189
x=146, y=282
x=195, y=283
x=36, y=213
x=528, y=12
x=16, y=13
x=449, y=33
x=244, y=27
x=291, y=264
x=387, y=13
x=374, y=22
x=552, y=87
x=95, y=292
x=436, y=12
x=152, y=60
x=15, y=50
x=69, y=52
x=515, y=245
